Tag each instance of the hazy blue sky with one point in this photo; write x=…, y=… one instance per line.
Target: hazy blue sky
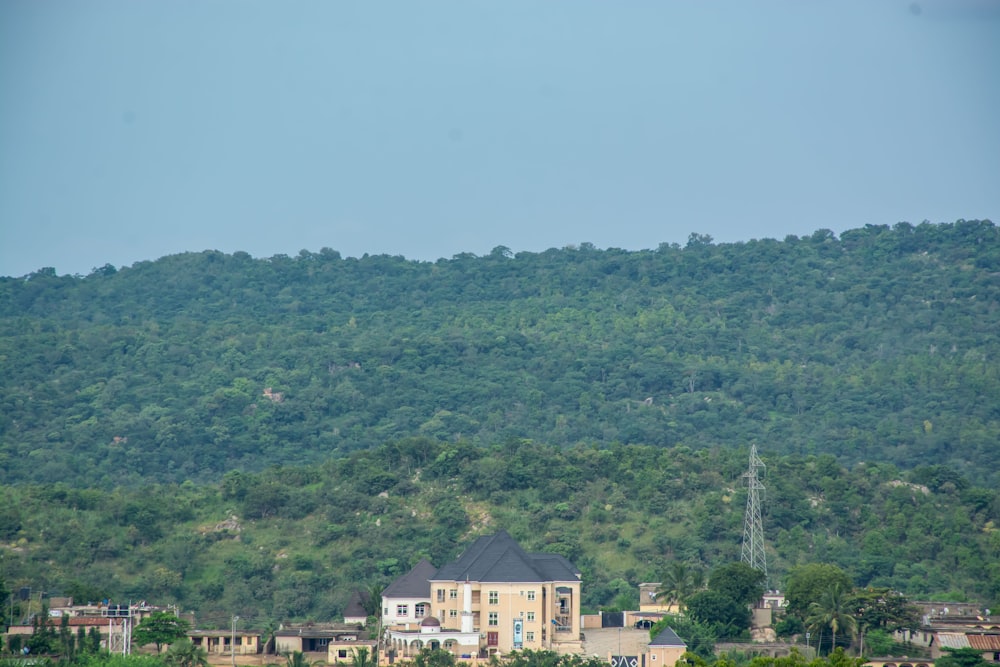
x=130, y=130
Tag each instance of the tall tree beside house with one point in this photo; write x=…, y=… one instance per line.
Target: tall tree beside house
x=67, y=643
x=43, y=634
x=729, y=618
x=680, y=581
x=160, y=627
x=362, y=658
x=373, y=601
x=883, y=609
x=739, y=582
x=806, y=583
x=94, y=641
x=832, y=611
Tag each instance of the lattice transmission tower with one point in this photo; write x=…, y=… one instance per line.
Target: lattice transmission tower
x=753, y=528
x=119, y=628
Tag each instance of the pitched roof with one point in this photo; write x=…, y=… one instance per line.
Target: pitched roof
x=985, y=642
x=414, y=584
x=498, y=558
x=952, y=640
x=356, y=605
x=667, y=637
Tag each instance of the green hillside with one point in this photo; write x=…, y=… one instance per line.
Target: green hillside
x=879, y=345
x=292, y=543
x=261, y=436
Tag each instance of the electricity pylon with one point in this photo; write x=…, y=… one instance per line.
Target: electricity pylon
x=753, y=529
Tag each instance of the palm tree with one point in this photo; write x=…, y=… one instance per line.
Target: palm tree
x=832, y=611
x=184, y=653
x=362, y=658
x=298, y=659
x=673, y=588
x=680, y=582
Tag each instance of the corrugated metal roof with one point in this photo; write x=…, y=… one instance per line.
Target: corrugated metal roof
x=952, y=640
x=984, y=642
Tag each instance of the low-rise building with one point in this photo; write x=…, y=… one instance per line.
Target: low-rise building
x=313, y=638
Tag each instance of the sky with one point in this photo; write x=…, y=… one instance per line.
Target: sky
x=130, y=130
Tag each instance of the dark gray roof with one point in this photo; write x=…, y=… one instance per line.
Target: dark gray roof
x=498, y=558
x=356, y=605
x=414, y=584
x=667, y=637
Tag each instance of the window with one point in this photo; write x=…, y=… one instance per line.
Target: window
x=494, y=597
x=652, y=656
x=419, y=610
x=453, y=594
x=492, y=638
x=494, y=619
x=531, y=596
x=402, y=609
x=452, y=613
x=529, y=636
x=531, y=617
x=440, y=595
x=342, y=653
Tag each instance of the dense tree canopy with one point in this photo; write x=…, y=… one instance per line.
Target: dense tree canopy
x=806, y=584
x=261, y=436
x=739, y=582
x=874, y=346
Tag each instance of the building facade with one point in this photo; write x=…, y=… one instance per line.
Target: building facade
x=513, y=599
x=406, y=601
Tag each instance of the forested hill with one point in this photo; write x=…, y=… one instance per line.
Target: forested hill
x=879, y=345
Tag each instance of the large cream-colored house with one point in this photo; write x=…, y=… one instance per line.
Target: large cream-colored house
x=513, y=599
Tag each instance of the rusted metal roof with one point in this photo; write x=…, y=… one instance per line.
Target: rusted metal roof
x=984, y=642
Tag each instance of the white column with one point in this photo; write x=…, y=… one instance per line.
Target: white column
x=467, y=607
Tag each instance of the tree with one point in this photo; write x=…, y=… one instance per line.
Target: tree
x=961, y=657
x=700, y=638
x=739, y=582
x=43, y=634
x=372, y=600
x=67, y=643
x=726, y=616
x=679, y=582
x=184, y=653
x=832, y=611
x=806, y=583
x=878, y=643
x=435, y=657
x=160, y=627
x=362, y=658
x=884, y=609
x=298, y=659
